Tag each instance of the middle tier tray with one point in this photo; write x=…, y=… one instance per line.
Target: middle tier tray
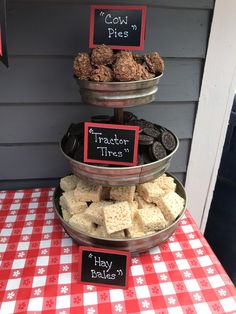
x=120, y=176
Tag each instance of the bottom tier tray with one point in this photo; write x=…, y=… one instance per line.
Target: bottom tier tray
x=134, y=245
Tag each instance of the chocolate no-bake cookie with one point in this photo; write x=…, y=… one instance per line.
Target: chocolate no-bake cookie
x=82, y=66
x=102, y=55
x=101, y=73
x=106, y=65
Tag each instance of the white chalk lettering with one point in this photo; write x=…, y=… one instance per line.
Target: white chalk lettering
x=102, y=275
x=96, y=135
x=109, y=141
x=101, y=263
x=107, y=153
x=112, y=32
x=116, y=20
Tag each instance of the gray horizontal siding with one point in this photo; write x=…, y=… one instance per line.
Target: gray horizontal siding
x=39, y=97
x=64, y=36
x=50, y=79
x=200, y=4
x=57, y=117
x=28, y=183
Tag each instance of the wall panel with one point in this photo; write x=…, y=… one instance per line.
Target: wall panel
x=39, y=97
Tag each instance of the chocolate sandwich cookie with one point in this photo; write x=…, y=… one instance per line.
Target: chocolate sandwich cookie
x=129, y=116
x=168, y=140
x=135, y=123
x=79, y=152
x=159, y=128
x=145, y=140
x=70, y=144
x=146, y=157
x=76, y=129
x=101, y=119
x=141, y=123
x=157, y=151
x=146, y=124
x=140, y=160
x=151, y=132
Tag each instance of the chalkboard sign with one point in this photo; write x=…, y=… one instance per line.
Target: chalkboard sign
x=103, y=266
x=120, y=27
x=110, y=143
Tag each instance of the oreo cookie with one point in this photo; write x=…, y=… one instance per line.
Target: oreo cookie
x=146, y=124
x=70, y=144
x=157, y=151
x=146, y=158
x=101, y=119
x=79, y=152
x=145, y=140
x=76, y=130
x=168, y=141
x=129, y=116
x=151, y=132
x=134, y=122
x=140, y=160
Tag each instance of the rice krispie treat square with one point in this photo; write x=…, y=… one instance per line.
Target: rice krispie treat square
x=151, y=219
x=82, y=222
x=122, y=193
x=68, y=201
x=95, y=211
x=101, y=231
x=136, y=230
x=150, y=191
x=166, y=183
x=68, y=183
x=87, y=192
x=117, y=216
x=66, y=214
x=133, y=207
x=171, y=205
x=142, y=203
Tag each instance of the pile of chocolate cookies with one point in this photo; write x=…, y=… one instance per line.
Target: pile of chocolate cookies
x=155, y=142
x=104, y=64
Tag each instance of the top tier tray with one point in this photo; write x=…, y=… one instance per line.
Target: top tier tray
x=119, y=94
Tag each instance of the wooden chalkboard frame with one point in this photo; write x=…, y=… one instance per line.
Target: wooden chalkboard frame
x=118, y=7
x=116, y=127
x=3, y=41
x=83, y=270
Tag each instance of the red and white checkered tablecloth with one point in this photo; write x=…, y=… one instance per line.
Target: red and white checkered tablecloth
x=39, y=268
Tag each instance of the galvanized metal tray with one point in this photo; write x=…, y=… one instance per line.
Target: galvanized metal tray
x=134, y=245
x=119, y=94
x=120, y=176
